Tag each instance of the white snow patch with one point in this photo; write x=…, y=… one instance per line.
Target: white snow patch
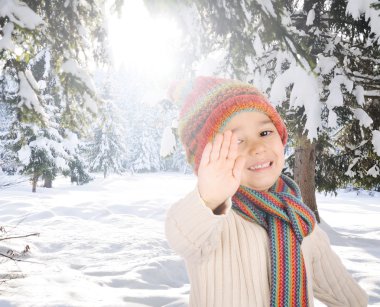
x=103, y=244
x=258, y=46
x=90, y=103
x=70, y=141
x=359, y=94
x=72, y=67
x=168, y=142
x=326, y=64
x=363, y=117
x=349, y=171
x=28, y=95
x=24, y=154
x=374, y=171
x=305, y=93
x=267, y=7
x=356, y=8
x=310, y=17
x=335, y=98
x=32, y=81
x=376, y=141
x=19, y=13
x=6, y=40
x=332, y=120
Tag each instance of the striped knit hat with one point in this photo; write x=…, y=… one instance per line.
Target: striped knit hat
x=208, y=103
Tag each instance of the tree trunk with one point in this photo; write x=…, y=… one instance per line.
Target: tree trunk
x=34, y=183
x=48, y=182
x=105, y=172
x=304, y=172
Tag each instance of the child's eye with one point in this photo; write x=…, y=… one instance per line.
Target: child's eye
x=266, y=133
x=239, y=141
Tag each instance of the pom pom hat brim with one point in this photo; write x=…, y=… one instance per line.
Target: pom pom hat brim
x=208, y=104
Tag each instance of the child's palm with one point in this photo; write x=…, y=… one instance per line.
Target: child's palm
x=220, y=169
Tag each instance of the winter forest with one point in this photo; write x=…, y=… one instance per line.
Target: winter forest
x=90, y=157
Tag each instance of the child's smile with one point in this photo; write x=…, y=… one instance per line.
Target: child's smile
x=260, y=166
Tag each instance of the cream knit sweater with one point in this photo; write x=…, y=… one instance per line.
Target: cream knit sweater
x=228, y=262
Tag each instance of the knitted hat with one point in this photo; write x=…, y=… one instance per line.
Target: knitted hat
x=208, y=104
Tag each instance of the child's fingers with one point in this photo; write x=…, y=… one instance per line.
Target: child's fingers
x=233, y=149
x=215, y=151
x=205, y=159
x=238, y=167
x=225, y=145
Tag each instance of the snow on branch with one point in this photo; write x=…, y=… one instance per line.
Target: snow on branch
x=304, y=93
x=6, y=40
x=28, y=86
x=267, y=6
x=363, y=117
x=374, y=171
x=72, y=67
x=168, y=142
x=19, y=13
x=357, y=8
x=376, y=141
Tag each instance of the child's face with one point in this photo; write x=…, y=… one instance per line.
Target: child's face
x=261, y=145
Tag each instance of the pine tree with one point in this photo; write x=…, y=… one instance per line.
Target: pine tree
x=317, y=60
x=106, y=151
x=51, y=42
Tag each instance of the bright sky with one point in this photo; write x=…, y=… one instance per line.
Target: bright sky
x=145, y=43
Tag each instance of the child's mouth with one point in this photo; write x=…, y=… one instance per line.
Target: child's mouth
x=260, y=166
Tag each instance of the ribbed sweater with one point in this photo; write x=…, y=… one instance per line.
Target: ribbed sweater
x=228, y=262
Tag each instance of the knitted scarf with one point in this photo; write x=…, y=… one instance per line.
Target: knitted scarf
x=287, y=221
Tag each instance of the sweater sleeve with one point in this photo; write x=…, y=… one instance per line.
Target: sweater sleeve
x=332, y=284
x=192, y=229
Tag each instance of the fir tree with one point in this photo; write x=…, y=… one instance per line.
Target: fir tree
x=106, y=151
x=49, y=41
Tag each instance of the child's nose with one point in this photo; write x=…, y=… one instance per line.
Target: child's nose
x=256, y=148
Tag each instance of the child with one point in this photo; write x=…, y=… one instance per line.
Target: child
x=245, y=234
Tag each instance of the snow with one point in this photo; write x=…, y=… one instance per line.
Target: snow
x=376, y=141
x=349, y=171
x=359, y=94
x=19, y=13
x=357, y=8
x=363, y=117
x=304, y=93
x=258, y=46
x=374, y=171
x=6, y=40
x=24, y=154
x=332, y=119
x=310, y=17
x=28, y=95
x=103, y=244
x=70, y=141
x=335, y=98
x=168, y=142
x=267, y=6
x=72, y=67
x=90, y=103
x=326, y=64
x=29, y=76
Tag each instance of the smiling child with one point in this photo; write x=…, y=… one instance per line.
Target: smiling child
x=246, y=236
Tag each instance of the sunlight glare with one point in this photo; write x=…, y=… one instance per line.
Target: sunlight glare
x=147, y=44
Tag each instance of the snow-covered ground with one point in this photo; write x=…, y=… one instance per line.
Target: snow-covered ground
x=103, y=244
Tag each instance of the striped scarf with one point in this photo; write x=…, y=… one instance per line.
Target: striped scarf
x=287, y=221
